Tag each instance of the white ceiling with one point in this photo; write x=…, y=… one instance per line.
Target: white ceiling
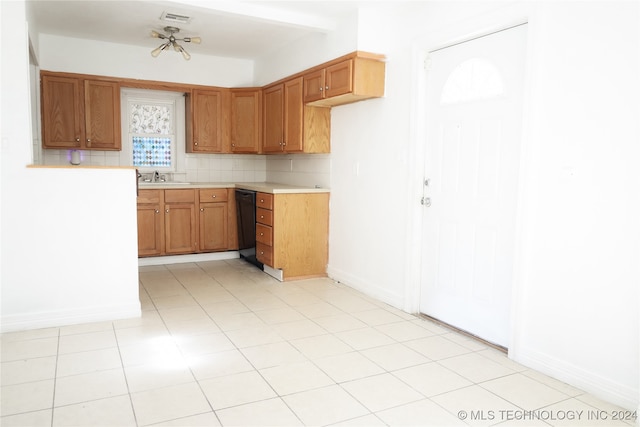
x=239, y=29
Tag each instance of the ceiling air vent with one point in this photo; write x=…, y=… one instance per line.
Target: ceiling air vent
x=175, y=17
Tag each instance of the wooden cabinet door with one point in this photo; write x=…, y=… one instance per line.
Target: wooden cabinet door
x=213, y=227
x=150, y=230
x=245, y=121
x=273, y=118
x=62, y=112
x=102, y=115
x=150, y=222
x=180, y=228
x=206, y=110
x=293, y=115
x=339, y=79
x=180, y=221
x=314, y=86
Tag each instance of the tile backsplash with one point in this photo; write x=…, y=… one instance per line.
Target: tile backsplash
x=295, y=169
x=307, y=170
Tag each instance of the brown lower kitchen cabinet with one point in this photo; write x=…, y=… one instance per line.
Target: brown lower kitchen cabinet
x=183, y=221
x=292, y=233
x=180, y=226
x=150, y=222
x=213, y=219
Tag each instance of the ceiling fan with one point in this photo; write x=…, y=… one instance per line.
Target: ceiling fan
x=172, y=41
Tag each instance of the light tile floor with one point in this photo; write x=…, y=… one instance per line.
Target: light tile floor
x=221, y=343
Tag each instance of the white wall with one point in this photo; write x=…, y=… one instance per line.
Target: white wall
x=577, y=316
x=68, y=236
x=308, y=52
x=70, y=250
x=576, y=305
x=110, y=59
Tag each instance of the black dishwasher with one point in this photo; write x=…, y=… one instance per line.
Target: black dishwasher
x=246, y=213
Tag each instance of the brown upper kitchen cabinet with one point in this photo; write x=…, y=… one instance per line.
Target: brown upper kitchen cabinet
x=348, y=79
x=79, y=113
x=207, y=114
x=290, y=126
x=246, y=109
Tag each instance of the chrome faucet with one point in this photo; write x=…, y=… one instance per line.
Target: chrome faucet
x=156, y=176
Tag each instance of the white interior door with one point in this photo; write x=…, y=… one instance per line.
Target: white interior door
x=474, y=115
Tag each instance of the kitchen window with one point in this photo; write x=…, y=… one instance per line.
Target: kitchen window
x=153, y=130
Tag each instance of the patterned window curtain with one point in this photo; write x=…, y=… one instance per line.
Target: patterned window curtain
x=150, y=127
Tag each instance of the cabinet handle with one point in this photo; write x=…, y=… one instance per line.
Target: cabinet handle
x=326, y=87
x=167, y=211
x=88, y=139
x=321, y=88
x=195, y=143
x=261, y=200
x=233, y=144
x=201, y=209
x=262, y=234
x=261, y=216
x=77, y=139
x=157, y=211
x=213, y=196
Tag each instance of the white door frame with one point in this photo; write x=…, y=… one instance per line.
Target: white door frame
x=459, y=32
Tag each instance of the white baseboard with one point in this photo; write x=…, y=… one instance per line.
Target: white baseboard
x=52, y=319
x=603, y=388
x=365, y=287
x=275, y=273
x=178, y=259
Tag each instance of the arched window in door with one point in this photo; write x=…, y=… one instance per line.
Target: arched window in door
x=472, y=80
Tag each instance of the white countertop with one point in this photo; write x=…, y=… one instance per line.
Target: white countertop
x=263, y=187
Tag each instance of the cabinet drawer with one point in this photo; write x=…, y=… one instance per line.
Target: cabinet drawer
x=264, y=216
x=208, y=195
x=264, y=234
x=264, y=200
x=149, y=196
x=180, y=196
x=264, y=253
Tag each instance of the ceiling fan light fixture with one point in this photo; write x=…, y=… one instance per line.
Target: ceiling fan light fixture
x=185, y=54
x=155, y=52
x=172, y=41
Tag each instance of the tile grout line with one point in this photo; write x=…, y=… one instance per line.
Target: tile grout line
x=124, y=374
x=55, y=380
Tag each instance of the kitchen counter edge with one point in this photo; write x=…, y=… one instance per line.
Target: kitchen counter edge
x=263, y=187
